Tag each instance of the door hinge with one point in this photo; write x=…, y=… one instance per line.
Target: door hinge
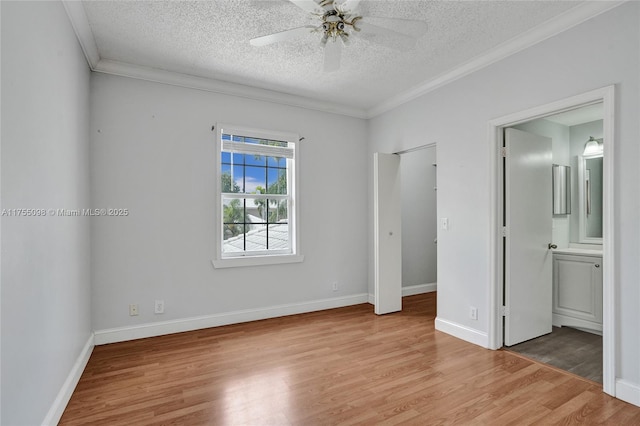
x=504, y=231
x=504, y=311
x=503, y=151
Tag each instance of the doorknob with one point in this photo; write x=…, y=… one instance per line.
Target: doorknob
x=552, y=246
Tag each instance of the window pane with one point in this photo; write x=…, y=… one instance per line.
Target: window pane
x=227, y=185
x=233, y=241
x=233, y=212
x=257, y=238
x=254, y=177
x=283, y=144
x=278, y=211
x=277, y=162
x=255, y=160
x=226, y=157
x=238, y=158
x=277, y=181
x=238, y=179
x=258, y=209
x=278, y=236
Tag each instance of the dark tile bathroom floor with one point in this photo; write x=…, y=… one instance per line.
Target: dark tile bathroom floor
x=572, y=350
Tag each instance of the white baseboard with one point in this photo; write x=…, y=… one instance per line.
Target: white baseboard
x=628, y=392
x=559, y=320
x=463, y=332
x=411, y=290
x=64, y=395
x=122, y=334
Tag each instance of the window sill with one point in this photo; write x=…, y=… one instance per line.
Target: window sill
x=256, y=261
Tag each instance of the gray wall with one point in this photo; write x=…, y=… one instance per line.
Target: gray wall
x=45, y=260
x=456, y=116
x=419, y=253
x=152, y=152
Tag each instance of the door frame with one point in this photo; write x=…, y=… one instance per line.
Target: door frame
x=606, y=95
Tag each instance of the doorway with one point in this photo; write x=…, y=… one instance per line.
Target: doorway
x=500, y=304
x=571, y=225
x=405, y=226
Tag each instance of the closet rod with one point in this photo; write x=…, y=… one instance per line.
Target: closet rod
x=417, y=148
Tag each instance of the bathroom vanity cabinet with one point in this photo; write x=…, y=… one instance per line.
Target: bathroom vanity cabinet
x=577, y=290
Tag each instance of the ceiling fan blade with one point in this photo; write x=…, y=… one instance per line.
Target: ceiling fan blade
x=282, y=36
x=332, y=56
x=348, y=5
x=309, y=6
x=411, y=27
x=386, y=37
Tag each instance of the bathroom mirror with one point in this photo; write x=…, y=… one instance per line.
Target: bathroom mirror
x=590, y=192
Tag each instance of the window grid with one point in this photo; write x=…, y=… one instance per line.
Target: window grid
x=269, y=184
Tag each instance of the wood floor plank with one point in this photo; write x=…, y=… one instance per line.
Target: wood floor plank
x=344, y=366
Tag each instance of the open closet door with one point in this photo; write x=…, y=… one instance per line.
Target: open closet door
x=387, y=233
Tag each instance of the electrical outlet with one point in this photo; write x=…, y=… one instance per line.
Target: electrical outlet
x=473, y=313
x=334, y=286
x=133, y=309
x=444, y=223
x=159, y=307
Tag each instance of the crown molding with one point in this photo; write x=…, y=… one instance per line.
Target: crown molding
x=80, y=23
x=570, y=18
x=226, y=88
x=575, y=16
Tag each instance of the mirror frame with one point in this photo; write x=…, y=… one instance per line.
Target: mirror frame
x=582, y=200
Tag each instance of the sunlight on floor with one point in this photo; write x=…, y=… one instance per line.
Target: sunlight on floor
x=262, y=396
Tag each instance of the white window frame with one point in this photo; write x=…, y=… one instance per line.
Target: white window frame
x=222, y=260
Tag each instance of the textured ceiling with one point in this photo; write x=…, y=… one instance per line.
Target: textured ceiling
x=211, y=39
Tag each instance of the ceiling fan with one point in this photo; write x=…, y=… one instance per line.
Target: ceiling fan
x=338, y=21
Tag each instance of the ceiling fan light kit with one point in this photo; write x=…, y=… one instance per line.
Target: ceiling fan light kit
x=337, y=21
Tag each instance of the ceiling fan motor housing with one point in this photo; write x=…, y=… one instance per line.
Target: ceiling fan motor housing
x=335, y=22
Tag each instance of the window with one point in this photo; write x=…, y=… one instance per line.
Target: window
x=256, y=186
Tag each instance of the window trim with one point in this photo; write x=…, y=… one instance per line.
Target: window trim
x=221, y=261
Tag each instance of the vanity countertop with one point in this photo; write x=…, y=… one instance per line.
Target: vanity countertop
x=578, y=251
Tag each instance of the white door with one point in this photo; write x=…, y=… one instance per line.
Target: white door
x=387, y=233
x=528, y=259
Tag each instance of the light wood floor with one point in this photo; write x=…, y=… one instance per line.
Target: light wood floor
x=342, y=366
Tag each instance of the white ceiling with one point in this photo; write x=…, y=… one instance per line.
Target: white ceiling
x=210, y=39
x=577, y=116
